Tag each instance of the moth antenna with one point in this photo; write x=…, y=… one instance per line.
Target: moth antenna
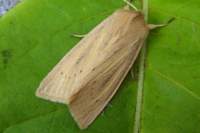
x=128, y=2
x=155, y=26
x=79, y=35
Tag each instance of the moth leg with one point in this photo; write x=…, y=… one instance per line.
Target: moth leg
x=155, y=26
x=110, y=105
x=128, y=2
x=79, y=35
x=102, y=113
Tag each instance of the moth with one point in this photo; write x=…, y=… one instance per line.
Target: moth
x=89, y=75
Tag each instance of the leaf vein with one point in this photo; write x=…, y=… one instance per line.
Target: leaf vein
x=31, y=118
x=178, y=84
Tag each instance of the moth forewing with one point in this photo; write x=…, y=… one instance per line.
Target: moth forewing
x=90, y=74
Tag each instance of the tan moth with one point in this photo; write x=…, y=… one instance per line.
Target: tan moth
x=89, y=75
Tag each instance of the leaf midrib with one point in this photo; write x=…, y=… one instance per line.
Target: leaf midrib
x=31, y=118
x=175, y=82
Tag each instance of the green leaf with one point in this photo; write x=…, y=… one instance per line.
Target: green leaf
x=171, y=99
x=36, y=34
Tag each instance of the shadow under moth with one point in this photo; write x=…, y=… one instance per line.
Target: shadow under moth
x=89, y=75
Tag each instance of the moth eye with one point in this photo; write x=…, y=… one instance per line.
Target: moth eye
x=81, y=71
